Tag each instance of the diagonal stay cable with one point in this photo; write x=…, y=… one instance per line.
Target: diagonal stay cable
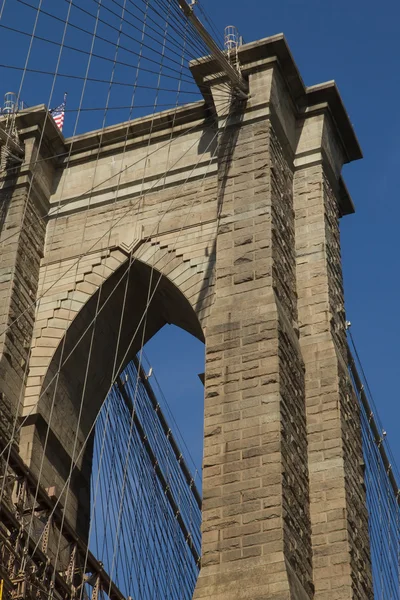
x=89, y=191
x=85, y=31
x=47, y=387
x=16, y=431
x=88, y=363
x=145, y=312
x=129, y=23
x=92, y=79
x=112, y=383
x=81, y=51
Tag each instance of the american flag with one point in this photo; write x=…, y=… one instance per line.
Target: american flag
x=58, y=114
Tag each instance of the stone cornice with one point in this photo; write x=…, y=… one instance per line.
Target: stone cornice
x=110, y=139
x=275, y=50
x=30, y=123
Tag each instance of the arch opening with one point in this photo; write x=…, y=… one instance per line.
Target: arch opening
x=146, y=505
x=104, y=336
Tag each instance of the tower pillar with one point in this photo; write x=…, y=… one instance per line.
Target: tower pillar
x=276, y=374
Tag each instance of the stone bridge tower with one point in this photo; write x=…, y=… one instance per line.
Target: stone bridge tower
x=234, y=237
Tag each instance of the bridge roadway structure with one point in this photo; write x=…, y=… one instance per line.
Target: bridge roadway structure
x=221, y=217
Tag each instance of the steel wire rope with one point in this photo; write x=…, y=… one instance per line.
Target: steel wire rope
x=376, y=476
x=140, y=533
x=398, y=547
x=165, y=540
x=77, y=344
x=144, y=579
x=122, y=313
x=154, y=374
x=378, y=456
x=121, y=363
x=114, y=374
x=81, y=29
x=196, y=42
x=376, y=540
x=90, y=14
x=388, y=519
x=143, y=180
x=98, y=240
x=72, y=25
x=97, y=553
x=81, y=51
x=211, y=23
x=162, y=449
x=164, y=441
x=104, y=22
x=100, y=492
x=373, y=477
x=132, y=102
x=92, y=79
x=160, y=443
x=111, y=467
x=146, y=498
x=132, y=536
x=133, y=522
x=114, y=491
x=368, y=476
x=178, y=20
x=379, y=479
x=30, y=187
x=115, y=140
x=99, y=294
x=95, y=108
x=192, y=42
x=373, y=405
x=115, y=287
x=179, y=16
x=27, y=58
x=170, y=412
x=111, y=471
x=2, y=9
x=51, y=241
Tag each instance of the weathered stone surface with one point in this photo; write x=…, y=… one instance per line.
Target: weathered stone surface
x=231, y=219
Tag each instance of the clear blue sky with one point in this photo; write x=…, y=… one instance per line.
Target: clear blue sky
x=354, y=42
